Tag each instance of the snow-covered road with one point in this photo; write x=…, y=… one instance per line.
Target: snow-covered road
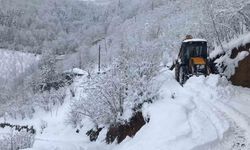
x=229, y=103
x=207, y=113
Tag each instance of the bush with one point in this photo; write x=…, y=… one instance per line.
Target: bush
x=112, y=97
x=17, y=140
x=47, y=100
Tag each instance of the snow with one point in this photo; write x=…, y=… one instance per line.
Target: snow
x=178, y=123
x=230, y=63
x=97, y=2
x=235, y=43
x=207, y=113
x=194, y=40
x=76, y=71
x=58, y=134
x=13, y=63
x=201, y=116
x=4, y=132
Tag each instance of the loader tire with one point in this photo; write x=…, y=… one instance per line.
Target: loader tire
x=182, y=76
x=176, y=74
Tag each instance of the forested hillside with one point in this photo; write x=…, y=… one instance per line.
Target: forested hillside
x=51, y=51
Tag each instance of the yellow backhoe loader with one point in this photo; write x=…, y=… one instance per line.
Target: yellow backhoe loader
x=192, y=59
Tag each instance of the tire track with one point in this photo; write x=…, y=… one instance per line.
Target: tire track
x=237, y=135
x=236, y=138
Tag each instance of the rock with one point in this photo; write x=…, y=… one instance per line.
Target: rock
x=93, y=134
x=77, y=131
x=242, y=72
x=121, y=131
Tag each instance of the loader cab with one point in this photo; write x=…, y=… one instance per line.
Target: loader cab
x=192, y=60
x=192, y=48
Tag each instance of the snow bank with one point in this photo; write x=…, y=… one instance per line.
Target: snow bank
x=231, y=63
x=225, y=60
x=228, y=47
x=183, y=118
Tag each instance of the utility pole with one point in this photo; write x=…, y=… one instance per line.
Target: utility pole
x=99, y=59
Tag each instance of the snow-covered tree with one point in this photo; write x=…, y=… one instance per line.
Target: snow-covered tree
x=114, y=96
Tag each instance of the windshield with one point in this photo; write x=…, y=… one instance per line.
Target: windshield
x=194, y=49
